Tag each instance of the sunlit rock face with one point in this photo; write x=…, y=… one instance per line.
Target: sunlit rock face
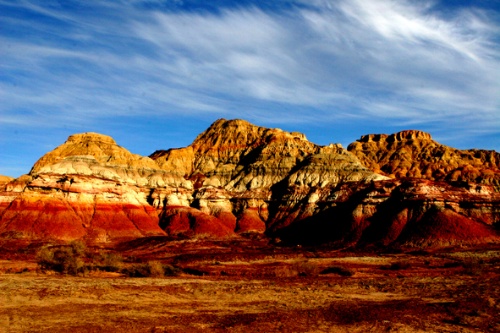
x=88, y=188
x=415, y=154
x=238, y=178
x=239, y=169
x=396, y=212
x=9, y=190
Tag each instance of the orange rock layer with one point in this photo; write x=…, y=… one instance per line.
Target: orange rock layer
x=415, y=154
x=402, y=189
x=35, y=217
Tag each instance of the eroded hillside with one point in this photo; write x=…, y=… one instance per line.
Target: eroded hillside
x=403, y=189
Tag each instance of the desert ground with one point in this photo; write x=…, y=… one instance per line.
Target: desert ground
x=250, y=285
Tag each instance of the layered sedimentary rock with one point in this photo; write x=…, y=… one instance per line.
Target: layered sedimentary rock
x=236, y=177
x=430, y=200
x=238, y=168
x=414, y=154
x=409, y=212
x=5, y=196
x=4, y=180
x=88, y=188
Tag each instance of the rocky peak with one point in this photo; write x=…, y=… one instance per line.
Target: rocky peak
x=229, y=146
x=239, y=157
x=91, y=137
x=409, y=135
x=99, y=148
x=228, y=134
x=5, y=179
x=414, y=154
x=373, y=138
x=239, y=134
x=87, y=188
x=396, y=137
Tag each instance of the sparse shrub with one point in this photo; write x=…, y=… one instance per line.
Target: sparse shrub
x=45, y=257
x=63, y=259
x=338, y=270
x=136, y=270
x=75, y=259
x=78, y=247
x=155, y=268
x=169, y=270
x=150, y=269
x=305, y=268
x=395, y=266
x=70, y=260
x=110, y=262
x=473, y=267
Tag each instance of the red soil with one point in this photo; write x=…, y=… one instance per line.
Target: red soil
x=54, y=218
x=189, y=221
x=250, y=221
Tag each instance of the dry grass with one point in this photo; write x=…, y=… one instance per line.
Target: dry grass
x=268, y=292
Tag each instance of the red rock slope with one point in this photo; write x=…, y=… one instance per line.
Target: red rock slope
x=237, y=178
x=88, y=188
x=236, y=169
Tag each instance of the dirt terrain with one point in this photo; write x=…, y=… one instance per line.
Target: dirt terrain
x=250, y=285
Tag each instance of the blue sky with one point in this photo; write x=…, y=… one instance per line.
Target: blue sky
x=153, y=74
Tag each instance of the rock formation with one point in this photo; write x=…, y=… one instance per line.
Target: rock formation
x=405, y=190
x=415, y=154
x=4, y=180
x=237, y=167
x=89, y=188
x=408, y=212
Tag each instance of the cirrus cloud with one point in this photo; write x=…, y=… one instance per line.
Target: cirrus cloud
x=293, y=64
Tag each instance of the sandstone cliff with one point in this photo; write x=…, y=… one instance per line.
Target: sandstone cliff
x=415, y=154
x=238, y=178
x=4, y=180
x=238, y=169
x=409, y=213
x=435, y=198
x=89, y=188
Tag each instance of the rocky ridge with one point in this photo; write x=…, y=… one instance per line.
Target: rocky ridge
x=238, y=178
x=89, y=187
x=5, y=179
x=235, y=168
x=414, y=154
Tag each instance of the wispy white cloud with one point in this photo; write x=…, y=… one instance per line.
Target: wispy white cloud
x=320, y=56
x=418, y=60
x=399, y=61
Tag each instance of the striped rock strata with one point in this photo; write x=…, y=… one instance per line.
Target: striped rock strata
x=414, y=154
x=238, y=178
